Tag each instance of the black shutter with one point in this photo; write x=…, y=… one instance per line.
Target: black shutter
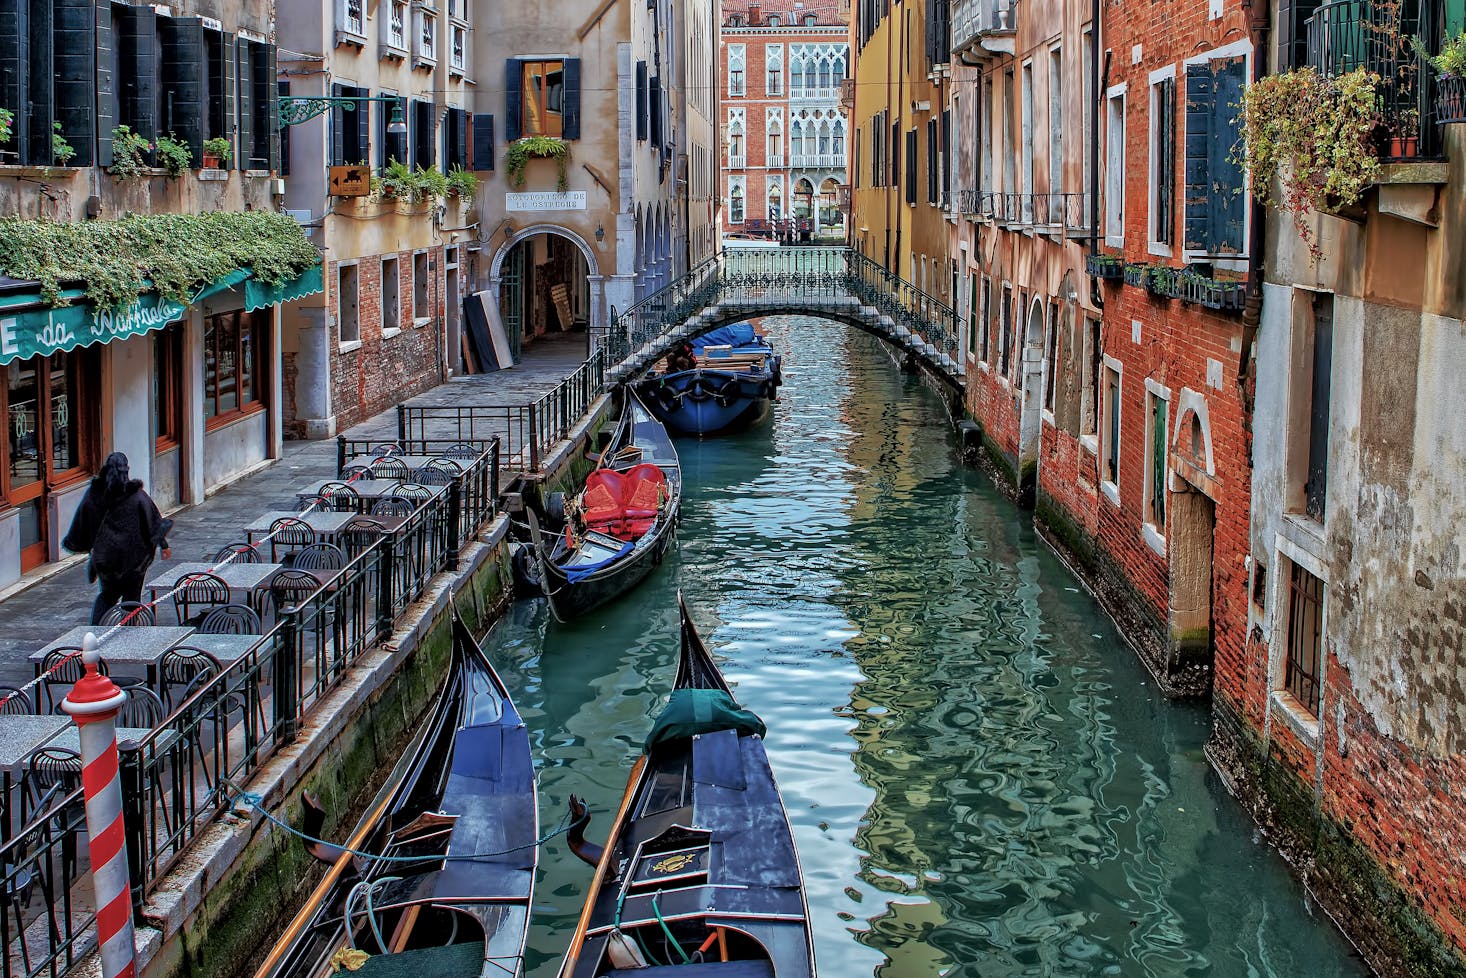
x=283, y=91
x=423, y=135
x=268, y=93
x=947, y=151
x=460, y=138
x=1227, y=205
x=137, y=74
x=36, y=145
x=14, y=80
x=483, y=142
x=76, y=76
x=896, y=154
x=106, y=83
x=1200, y=103
x=1165, y=220
x=363, y=128
x=570, y=122
x=513, y=99
x=654, y=88
x=338, y=128
x=911, y=166
x=184, y=79
x=641, y=101
x=220, y=50
x=931, y=161
x=394, y=145
x=245, y=109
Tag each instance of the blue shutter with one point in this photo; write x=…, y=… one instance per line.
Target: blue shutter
x=1227, y=206
x=483, y=142
x=513, y=99
x=570, y=119
x=641, y=101
x=1200, y=110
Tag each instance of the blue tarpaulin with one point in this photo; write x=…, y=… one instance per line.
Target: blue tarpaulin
x=739, y=334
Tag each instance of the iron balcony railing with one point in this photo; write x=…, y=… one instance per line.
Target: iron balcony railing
x=1066, y=212
x=1376, y=36
x=180, y=777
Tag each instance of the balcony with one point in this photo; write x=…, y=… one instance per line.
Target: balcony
x=1375, y=35
x=817, y=161
x=982, y=30
x=1058, y=213
x=847, y=95
x=737, y=161
x=774, y=161
x=814, y=93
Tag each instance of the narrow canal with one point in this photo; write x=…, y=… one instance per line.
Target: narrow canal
x=982, y=780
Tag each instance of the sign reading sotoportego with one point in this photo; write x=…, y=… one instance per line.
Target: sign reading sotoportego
x=568, y=200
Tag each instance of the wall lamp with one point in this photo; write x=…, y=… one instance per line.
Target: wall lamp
x=302, y=108
x=600, y=233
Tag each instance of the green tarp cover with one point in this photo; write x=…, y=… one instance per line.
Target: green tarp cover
x=699, y=711
x=29, y=328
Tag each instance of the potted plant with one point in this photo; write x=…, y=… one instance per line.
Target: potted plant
x=7, y=123
x=173, y=155
x=520, y=152
x=1309, y=142
x=1404, y=136
x=217, y=152
x=431, y=182
x=1160, y=281
x=1107, y=267
x=396, y=183
x=128, y=153
x=1136, y=273
x=1450, y=66
x=462, y=184
x=61, y=149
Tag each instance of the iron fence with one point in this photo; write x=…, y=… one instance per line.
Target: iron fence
x=43, y=928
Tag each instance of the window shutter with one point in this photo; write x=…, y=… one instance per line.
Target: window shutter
x=654, y=87
x=220, y=48
x=338, y=128
x=1228, y=203
x=14, y=57
x=895, y=154
x=1200, y=108
x=283, y=91
x=483, y=142
x=394, y=145
x=184, y=80
x=931, y=161
x=137, y=81
x=513, y=99
x=245, y=107
x=270, y=94
x=947, y=151
x=641, y=100
x=363, y=128
x=911, y=166
x=34, y=140
x=1165, y=219
x=105, y=81
x=570, y=120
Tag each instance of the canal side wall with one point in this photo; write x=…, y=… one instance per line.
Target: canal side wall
x=219, y=911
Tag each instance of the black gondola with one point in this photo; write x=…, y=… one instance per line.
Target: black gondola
x=464, y=788
x=699, y=875
x=618, y=528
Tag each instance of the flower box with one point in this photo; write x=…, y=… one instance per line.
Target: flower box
x=1136, y=273
x=1106, y=267
x=1160, y=281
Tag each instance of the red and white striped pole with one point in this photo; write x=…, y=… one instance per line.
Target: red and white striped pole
x=93, y=703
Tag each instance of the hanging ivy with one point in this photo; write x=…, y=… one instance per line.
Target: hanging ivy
x=115, y=260
x=520, y=152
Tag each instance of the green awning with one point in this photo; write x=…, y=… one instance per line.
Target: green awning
x=30, y=328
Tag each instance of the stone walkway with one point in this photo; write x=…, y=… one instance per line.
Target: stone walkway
x=36, y=615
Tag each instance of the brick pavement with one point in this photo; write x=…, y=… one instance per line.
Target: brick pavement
x=36, y=615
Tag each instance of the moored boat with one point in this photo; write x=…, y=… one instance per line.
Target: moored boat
x=722, y=381
x=699, y=875
x=437, y=878
x=616, y=530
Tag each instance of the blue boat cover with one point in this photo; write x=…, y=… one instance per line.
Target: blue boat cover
x=736, y=335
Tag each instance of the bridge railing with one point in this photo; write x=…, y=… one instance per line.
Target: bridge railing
x=657, y=313
x=924, y=315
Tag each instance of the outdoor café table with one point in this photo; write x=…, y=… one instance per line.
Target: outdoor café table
x=128, y=738
x=130, y=645
x=226, y=648
x=367, y=490
x=244, y=578
x=20, y=737
x=325, y=524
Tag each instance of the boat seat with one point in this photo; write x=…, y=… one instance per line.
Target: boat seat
x=450, y=961
x=708, y=969
x=623, y=504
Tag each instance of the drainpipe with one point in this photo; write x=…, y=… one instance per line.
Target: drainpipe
x=1258, y=25
x=1101, y=81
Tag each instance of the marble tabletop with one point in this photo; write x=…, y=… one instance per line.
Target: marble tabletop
x=139, y=644
x=237, y=574
x=23, y=735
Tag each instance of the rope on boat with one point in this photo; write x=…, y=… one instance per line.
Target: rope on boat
x=253, y=800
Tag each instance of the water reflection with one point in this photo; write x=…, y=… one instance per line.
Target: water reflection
x=981, y=780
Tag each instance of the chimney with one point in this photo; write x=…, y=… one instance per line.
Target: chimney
x=755, y=15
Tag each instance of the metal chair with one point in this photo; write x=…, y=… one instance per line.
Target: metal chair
x=63, y=667
x=238, y=553
x=359, y=535
x=389, y=468
x=231, y=619
x=319, y=556
x=196, y=594
x=463, y=450
x=288, y=534
x=184, y=666
x=48, y=768
x=15, y=701
x=289, y=587
x=339, y=497
x=142, y=709
x=129, y=613
x=352, y=472
x=393, y=506
x=413, y=491
x=438, y=472
x=387, y=448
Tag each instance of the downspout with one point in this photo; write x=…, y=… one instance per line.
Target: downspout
x=1101, y=82
x=1259, y=27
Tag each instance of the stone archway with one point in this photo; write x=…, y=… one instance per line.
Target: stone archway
x=594, y=283
x=1191, y=513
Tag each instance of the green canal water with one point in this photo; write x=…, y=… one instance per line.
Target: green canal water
x=981, y=779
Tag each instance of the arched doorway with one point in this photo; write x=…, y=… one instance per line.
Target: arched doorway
x=830, y=216
x=546, y=283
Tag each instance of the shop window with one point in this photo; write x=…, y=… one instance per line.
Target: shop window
x=391, y=295
x=348, y=304
x=168, y=376
x=1301, y=668
x=233, y=355
x=421, y=279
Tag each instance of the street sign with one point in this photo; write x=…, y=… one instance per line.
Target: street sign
x=351, y=181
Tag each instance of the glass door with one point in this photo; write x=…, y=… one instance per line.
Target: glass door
x=44, y=443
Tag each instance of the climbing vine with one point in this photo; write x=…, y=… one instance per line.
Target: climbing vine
x=114, y=260
x=520, y=152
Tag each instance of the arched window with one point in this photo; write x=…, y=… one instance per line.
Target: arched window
x=776, y=202
x=838, y=136
x=796, y=75
x=826, y=78
x=735, y=203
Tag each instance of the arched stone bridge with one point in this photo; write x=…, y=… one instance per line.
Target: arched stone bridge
x=834, y=283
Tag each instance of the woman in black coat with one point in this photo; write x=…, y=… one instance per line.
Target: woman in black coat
x=121, y=527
